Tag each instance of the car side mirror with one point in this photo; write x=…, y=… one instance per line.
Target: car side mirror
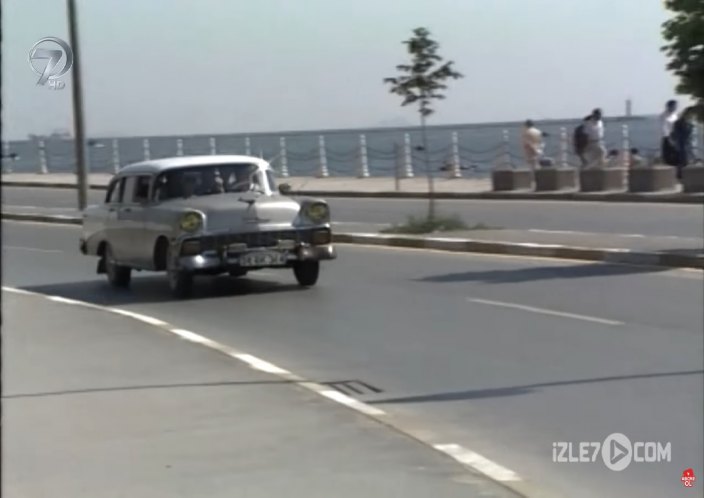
x=285, y=189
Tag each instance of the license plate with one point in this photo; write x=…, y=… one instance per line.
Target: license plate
x=262, y=259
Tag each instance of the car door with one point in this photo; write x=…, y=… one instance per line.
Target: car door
x=133, y=236
x=113, y=201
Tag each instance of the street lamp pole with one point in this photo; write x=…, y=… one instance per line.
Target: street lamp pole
x=78, y=128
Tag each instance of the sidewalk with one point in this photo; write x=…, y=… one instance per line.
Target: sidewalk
x=417, y=187
x=102, y=405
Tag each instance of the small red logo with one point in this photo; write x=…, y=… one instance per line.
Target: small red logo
x=688, y=478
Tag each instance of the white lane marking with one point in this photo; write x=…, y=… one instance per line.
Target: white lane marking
x=49, y=208
x=142, y=318
x=52, y=223
x=259, y=364
x=35, y=249
x=458, y=453
x=544, y=311
x=351, y=402
x=476, y=461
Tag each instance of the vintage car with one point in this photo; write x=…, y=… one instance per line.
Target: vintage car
x=204, y=215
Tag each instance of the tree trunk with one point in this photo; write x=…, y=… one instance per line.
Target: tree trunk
x=426, y=154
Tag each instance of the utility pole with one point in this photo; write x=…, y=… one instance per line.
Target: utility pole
x=78, y=129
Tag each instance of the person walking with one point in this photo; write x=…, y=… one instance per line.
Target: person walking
x=580, y=140
x=595, y=150
x=682, y=137
x=668, y=118
x=533, y=145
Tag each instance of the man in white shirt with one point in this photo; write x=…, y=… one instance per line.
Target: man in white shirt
x=532, y=139
x=595, y=152
x=667, y=122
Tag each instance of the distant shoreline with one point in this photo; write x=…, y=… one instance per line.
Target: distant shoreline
x=376, y=129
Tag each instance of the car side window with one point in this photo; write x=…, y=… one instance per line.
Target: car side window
x=141, y=190
x=113, y=191
x=127, y=189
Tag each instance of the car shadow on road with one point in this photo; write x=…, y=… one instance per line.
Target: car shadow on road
x=543, y=273
x=524, y=389
x=145, y=388
x=156, y=290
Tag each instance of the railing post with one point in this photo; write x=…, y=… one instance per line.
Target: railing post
x=322, y=153
x=507, y=150
x=6, y=160
x=626, y=146
x=407, y=156
x=698, y=141
x=283, y=157
x=247, y=147
x=179, y=146
x=147, y=150
x=363, y=157
x=115, y=155
x=397, y=167
x=564, y=148
x=43, y=166
x=456, y=170
x=213, y=146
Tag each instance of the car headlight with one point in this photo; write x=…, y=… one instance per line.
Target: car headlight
x=191, y=221
x=318, y=212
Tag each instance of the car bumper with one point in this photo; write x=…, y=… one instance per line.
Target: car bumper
x=210, y=261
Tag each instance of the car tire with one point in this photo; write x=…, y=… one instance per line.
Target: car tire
x=306, y=272
x=118, y=275
x=180, y=281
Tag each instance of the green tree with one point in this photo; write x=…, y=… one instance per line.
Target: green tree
x=684, y=34
x=421, y=82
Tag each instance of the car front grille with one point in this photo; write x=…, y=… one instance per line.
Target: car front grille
x=255, y=239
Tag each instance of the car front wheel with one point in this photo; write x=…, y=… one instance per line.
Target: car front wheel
x=118, y=275
x=306, y=272
x=180, y=281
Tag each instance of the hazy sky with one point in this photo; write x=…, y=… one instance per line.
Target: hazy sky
x=164, y=67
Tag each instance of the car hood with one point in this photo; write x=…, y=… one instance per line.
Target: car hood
x=245, y=211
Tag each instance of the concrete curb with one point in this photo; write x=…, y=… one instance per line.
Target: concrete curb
x=663, y=258
x=666, y=197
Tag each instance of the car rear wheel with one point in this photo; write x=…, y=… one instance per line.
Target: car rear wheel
x=118, y=275
x=180, y=281
x=306, y=272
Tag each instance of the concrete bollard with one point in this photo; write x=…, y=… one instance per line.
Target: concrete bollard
x=653, y=179
x=564, y=148
x=147, y=149
x=693, y=179
x=323, y=159
x=625, y=156
x=115, y=155
x=407, y=156
x=455, y=171
x=213, y=146
x=363, y=157
x=43, y=165
x=247, y=147
x=284, y=158
x=179, y=146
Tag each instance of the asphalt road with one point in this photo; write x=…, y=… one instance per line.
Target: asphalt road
x=101, y=405
x=501, y=355
x=596, y=217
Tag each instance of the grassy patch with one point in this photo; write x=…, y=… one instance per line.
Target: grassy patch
x=431, y=225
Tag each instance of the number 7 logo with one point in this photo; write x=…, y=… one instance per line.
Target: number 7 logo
x=54, y=57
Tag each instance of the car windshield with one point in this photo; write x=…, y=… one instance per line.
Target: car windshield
x=209, y=180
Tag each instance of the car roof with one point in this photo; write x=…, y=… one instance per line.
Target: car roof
x=167, y=163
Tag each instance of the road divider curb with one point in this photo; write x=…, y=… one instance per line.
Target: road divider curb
x=624, y=197
x=610, y=255
x=624, y=256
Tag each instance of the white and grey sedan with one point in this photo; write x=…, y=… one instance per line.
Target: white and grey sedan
x=204, y=215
